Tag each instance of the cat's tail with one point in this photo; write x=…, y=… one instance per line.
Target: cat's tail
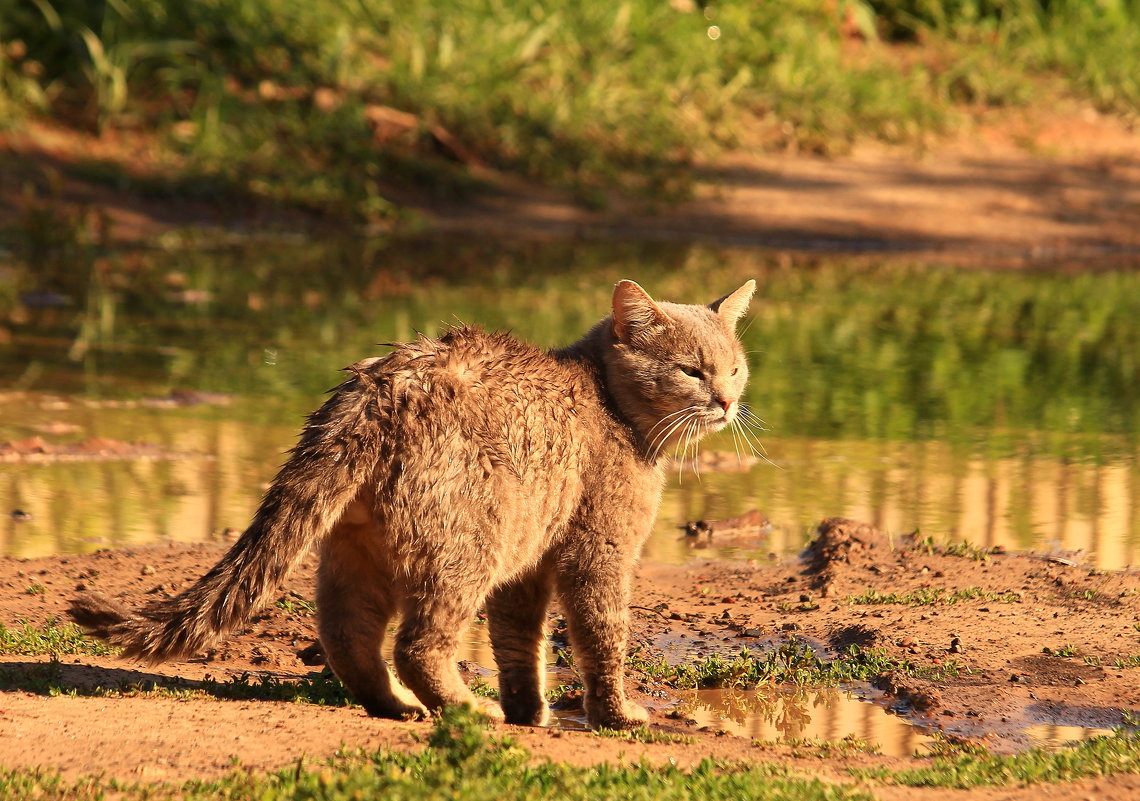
x=336, y=454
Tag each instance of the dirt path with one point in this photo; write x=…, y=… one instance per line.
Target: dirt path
x=1058, y=186
x=1011, y=607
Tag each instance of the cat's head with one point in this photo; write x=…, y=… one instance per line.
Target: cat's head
x=676, y=371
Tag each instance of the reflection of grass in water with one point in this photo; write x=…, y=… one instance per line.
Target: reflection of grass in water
x=838, y=349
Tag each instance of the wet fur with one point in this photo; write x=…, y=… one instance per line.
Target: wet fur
x=465, y=471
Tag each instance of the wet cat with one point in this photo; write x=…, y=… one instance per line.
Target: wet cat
x=473, y=470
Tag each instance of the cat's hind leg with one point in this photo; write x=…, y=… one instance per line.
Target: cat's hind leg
x=355, y=600
x=427, y=645
x=517, y=623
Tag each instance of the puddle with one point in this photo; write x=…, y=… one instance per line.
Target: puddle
x=776, y=714
x=1053, y=738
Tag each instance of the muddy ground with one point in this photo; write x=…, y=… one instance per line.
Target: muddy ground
x=1006, y=680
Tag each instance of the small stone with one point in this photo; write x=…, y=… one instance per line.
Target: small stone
x=805, y=598
x=148, y=570
x=790, y=627
x=752, y=632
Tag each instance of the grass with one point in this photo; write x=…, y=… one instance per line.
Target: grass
x=928, y=596
x=51, y=638
x=844, y=748
x=645, y=734
x=460, y=761
x=1102, y=756
x=794, y=662
x=327, y=106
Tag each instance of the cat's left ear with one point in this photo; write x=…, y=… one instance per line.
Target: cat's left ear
x=734, y=304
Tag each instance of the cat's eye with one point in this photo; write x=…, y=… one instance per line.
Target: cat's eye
x=735, y=370
x=692, y=372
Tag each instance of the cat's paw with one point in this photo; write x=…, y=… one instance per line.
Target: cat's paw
x=629, y=717
x=490, y=708
x=397, y=710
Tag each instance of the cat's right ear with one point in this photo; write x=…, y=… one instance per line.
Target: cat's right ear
x=634, y=311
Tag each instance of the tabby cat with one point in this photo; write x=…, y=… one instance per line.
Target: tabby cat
x=470, y=471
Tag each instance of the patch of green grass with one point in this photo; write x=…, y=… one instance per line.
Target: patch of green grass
x=461, y=761
x=645, y=734
x=325, y=105
x=964, y=550
x=296, y=605
x=35, y=588
x=1066, y=650
x=1129, y=661
x=51, y=638
x=482, y=689
x=926, y=596
x=822, y=749
x=1103, y=756
x=794, y=662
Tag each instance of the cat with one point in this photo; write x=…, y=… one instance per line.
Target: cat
x=466, y=471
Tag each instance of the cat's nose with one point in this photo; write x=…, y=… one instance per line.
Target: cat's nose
x=726, y=403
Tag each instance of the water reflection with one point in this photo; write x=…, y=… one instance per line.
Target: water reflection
x=1053, y=738
x=1001, y=408
x=1028, y=498
x=778, y=714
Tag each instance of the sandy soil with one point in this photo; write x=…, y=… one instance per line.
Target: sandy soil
x=151, y=738
x=1025, y=186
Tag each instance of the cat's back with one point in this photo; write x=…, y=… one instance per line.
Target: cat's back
x=490, y=386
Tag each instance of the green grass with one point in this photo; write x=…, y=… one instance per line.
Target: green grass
x=1103, y=756
x=794, y=662
x=822, y=749
x=460, y=761
x=645, y=734
x=927, y=596
x=51, y=638
x=274, y=102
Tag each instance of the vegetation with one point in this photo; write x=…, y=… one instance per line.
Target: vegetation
x=927, y=596
x=462, y=762
x=794, y=662
x=329, y=106
x=52, y=638
x=974, y=767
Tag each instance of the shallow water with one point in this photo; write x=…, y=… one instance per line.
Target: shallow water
x=1001, y=408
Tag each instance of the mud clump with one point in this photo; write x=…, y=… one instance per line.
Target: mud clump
x=840, y=543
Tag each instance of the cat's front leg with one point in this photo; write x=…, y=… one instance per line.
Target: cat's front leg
x=594, y=585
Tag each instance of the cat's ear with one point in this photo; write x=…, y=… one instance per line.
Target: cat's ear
x=734, y=304
x=634, y=311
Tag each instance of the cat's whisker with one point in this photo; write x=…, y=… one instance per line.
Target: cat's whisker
x=758, y=447
x=746, y=411
x=666, y=417
x=663, y=438
x=665, y=432
x=736, y=441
